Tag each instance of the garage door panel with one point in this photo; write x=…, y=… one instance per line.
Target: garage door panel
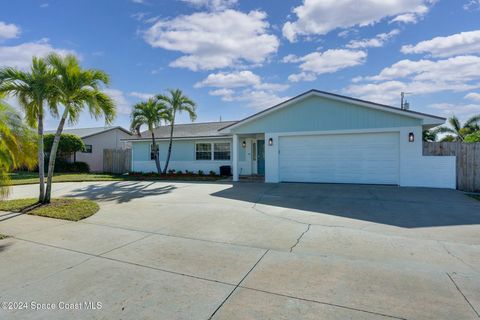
x=352, y=158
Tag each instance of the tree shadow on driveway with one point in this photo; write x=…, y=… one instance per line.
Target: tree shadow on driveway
x=390, y=205
x=121, y=191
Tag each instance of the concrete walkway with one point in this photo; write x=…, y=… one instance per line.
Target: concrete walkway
x=159, y=250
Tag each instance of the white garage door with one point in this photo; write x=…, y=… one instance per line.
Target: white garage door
x=342, y=158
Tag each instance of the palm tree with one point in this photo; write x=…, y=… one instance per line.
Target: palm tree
x=429, y=136
x=176, y=102
x=457, y=131
x=33, y=89
x=78, y=88
x=151, y=114
x=17, y=142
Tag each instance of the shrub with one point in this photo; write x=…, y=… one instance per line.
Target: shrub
x=200, y=173
x=77, y=167
x=472, y=137
x=171, y=171
x=179, y=172
x=213, y=173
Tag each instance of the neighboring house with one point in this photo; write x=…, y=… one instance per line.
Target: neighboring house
x=97, y=139
x=313, y=137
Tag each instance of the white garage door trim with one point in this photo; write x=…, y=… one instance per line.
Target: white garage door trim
x=367, y=158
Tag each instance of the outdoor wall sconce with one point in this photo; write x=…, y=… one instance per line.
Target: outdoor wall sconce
x=411, y=137
x=270, y=142
x=244, y=144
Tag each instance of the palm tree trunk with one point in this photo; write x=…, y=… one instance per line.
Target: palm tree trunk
x=53, y=155
x=41, y=157
x=156, y=154
x=169, y=145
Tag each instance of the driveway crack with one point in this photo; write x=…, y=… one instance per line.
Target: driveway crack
x=456, y=257
x=300, y=237
x=464, y=297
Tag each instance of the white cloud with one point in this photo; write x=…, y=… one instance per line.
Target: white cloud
x=328, y=61
x=406, y=18
x=141, y=95
x=8, y=31
x=378, y=41
x=302, y=76
x=139, y=1
x=318, y=17
x=213, y=4
x=473, y=96
x=20, y=56
x=457, y=44
x=215, y=39
x=230, y=80
x=121, y=102
x=472, y=5
x=463, y=111
x=44, y=5
x=239, y=79
x=260, y=99
x=226, y=94
x=456, y=74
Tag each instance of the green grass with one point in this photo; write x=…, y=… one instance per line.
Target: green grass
x=475, y=196
x=62, y=208
x=19, y=178
x=2, y=236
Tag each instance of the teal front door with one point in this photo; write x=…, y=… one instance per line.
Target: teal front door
x=261, y=157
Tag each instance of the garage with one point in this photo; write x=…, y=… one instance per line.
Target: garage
x=370, y=158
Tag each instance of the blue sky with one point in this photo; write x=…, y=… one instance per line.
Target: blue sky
x=236, y=57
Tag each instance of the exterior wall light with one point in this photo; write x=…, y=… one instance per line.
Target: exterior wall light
x=411, y=137
x=270, y=142
x=244, y=144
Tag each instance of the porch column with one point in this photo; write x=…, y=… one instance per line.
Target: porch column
x=235, y=157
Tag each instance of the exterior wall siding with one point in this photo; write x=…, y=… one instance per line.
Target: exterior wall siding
x=182, y=157
x=319, y=114
x=107, y=140
x=415, y=169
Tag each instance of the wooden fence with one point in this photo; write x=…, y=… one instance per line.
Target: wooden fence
x=117, y=161
x=468, y=161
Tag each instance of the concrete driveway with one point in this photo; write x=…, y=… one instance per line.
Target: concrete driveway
x=159, y=250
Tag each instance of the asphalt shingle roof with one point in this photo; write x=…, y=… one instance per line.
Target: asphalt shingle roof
x=85, y=132
x=188, y=130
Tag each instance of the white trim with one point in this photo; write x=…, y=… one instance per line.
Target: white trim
x=427, y=120
x=212, y=151
x=235, y=157
x=180, y=139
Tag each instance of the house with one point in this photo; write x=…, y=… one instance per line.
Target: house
x=97, y=139
x=314, y=137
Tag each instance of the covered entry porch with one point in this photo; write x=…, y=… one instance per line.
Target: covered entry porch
x=248, y=155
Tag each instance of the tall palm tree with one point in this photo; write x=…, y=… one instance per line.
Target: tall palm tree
x=176, y=102
x=78, y=89
x=34, y=90
x=459, y=131
x=17, y=142
x=151, y=114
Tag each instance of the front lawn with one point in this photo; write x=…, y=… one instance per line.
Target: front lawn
x=62, y=208
x=475, y=196
x=19, y=178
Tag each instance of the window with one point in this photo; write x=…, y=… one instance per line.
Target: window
x=152, y=154
x=203, y=151
x=221, y=151
x=254, y=151
x=88, y=148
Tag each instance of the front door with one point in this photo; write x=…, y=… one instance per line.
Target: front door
x=261, y=157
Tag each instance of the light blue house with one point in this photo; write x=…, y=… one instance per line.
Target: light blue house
x=313, y=137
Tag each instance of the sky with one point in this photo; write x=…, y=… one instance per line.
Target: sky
x=237, y=57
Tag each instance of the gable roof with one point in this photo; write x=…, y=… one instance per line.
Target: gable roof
x=88, y=132
x=188, y=130
x=427, y=118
